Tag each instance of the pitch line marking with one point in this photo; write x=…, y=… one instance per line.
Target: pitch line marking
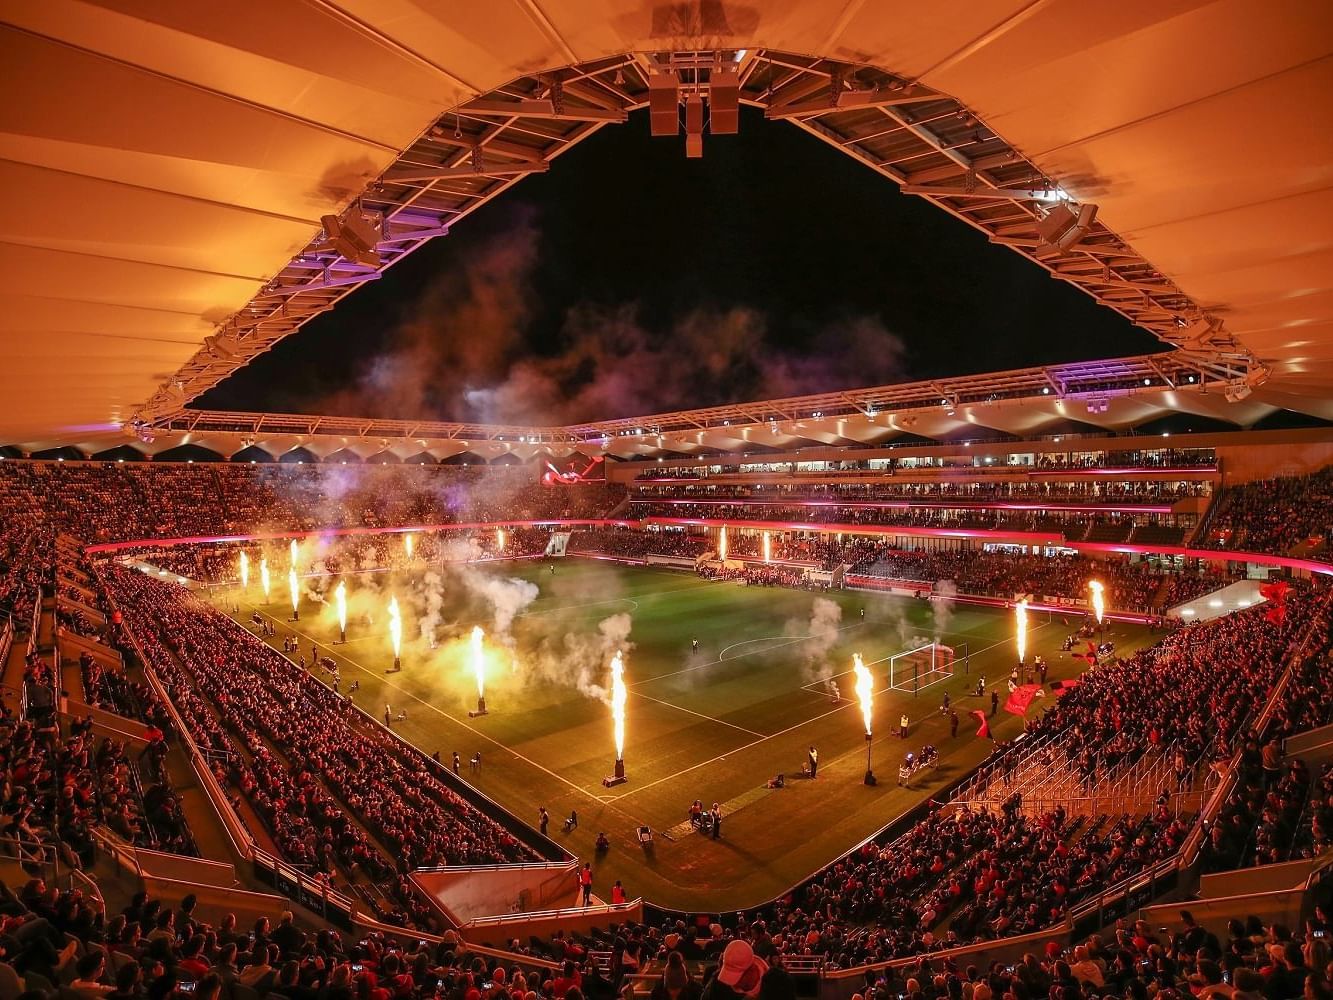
x=712, y=663
x=842, y=706
x=439, y=711
x=572, y=607
x=765, y=638
x=682, y=708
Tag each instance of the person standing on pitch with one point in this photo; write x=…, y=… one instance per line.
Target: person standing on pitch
x=813, y=761
x=458, y=762
x=543, y=819
x=903, y=724
x=717, y=821
x=694, y=645
x=953, y=723
x=994, y=702
x=585, y=882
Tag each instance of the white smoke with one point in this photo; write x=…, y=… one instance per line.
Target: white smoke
x=432, y=606
x=821, y=635
x=942, y=606
x=507, y=598
x=579, y=659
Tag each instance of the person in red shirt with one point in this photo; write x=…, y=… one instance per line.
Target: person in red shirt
x=585, y=882
x=569, y=979
x=617, y=893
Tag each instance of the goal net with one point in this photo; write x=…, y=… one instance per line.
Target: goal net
x=916, y=669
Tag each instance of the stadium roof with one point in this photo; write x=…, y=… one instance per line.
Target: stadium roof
x=1085, y=399
x=167, y=166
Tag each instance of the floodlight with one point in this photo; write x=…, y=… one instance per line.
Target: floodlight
x=222, y=346
x=1062, y=227
x=353, y=236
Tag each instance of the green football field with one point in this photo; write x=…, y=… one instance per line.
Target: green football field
x=713, y=725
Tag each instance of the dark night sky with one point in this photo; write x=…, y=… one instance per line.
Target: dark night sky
x=774, y=223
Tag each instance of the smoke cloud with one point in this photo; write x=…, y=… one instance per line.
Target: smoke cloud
x=821, y=633
x=507, y=598
x=579, y=659
x=469, y=350
x=942, y=606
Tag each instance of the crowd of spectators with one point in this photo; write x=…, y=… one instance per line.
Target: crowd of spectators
x=1249, y=960
x=331, y=555
x=57, y=789
x=25, y=566
x=1278, y=811
x=315, y=771
x=148, y=951
x=758, y=574
x=942, y=493
x=1071, y=524
x=627, y=543
x=1129, y=586
x=1273, y=515
x=1156, y=458
x=65, y=943
x=100, y=502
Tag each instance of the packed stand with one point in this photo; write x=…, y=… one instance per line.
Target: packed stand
x=1272, y=515
x=331, y=555
x=1130, y=586
x=628, y=543
x=1278, y=811
x=289, y=741
x=65, y=944
x=1052, y=520
x=101, y=502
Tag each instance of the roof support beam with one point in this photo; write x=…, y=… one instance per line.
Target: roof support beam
x=541, y=108
x=846, y=100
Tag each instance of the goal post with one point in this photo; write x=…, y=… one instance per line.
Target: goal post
x=915, y=670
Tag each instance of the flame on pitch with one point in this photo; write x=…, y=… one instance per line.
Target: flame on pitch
x=865, y=688
x=395, y=626
x=1098, y=600
x=722, y=543
x=619, y=697
x=407, y=543
x=263, y=576
x=500, y=539
x=340, y=596
x=1021, y=620
x=245, y=571
x=291, y=553
x=479, y=659
x=768, y=546
x=294, y=587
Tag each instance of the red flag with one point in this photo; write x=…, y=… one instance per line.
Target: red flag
x=1275, y=593
x=1020, y=698
x=1063, y=687
x=983, y=727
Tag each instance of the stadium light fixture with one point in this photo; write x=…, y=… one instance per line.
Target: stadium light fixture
x=1062, y=228
x=221, y=346
x=354, y=236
